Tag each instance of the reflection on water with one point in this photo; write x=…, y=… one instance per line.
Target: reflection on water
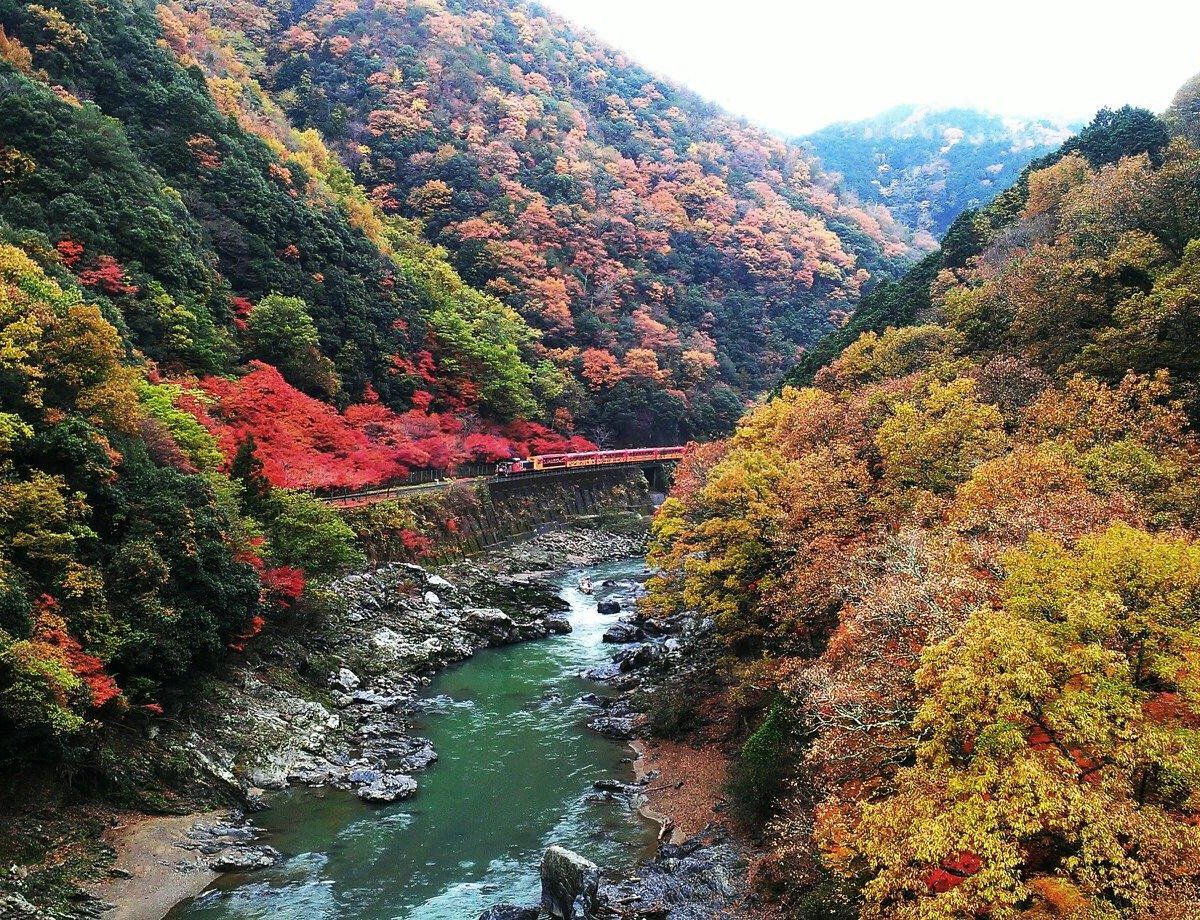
x=515, y=763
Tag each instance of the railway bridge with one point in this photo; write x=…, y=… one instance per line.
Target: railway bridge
x=656, y=462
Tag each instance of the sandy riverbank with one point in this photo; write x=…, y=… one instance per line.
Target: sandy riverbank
x=161, y=872
x=685, y=796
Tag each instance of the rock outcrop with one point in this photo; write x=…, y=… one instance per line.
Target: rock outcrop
x=570, y=885
x=703, y=878
x=510, y=912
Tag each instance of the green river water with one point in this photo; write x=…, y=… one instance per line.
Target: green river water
x=515, y=763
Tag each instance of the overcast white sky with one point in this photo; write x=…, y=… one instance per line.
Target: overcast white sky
x=796, y=65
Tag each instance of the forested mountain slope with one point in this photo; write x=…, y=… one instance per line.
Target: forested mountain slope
x=1109, y=137
x=929, y=165
x=142, y=186
x=245, y=251
x=671, y=257
x=955, y=581
x=174, y=286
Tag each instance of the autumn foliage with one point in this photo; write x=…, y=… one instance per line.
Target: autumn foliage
x=966, y=561
x=87, y=626
x=306, y=443
x=668, y=259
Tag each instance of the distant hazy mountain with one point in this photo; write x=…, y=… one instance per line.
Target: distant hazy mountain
x=929, y=165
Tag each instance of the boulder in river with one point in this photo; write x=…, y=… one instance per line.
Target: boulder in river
x=364, y=777
x=492, y=624
x=624, y=633
x=415, y=754
x=608, y=608
x=619, y=728
x=558, y=625
x=638, y=656
x=610, y=785
x=244, y=859
x=570, y=884
x=388, y=788
x=373, y=698
x=509, y=912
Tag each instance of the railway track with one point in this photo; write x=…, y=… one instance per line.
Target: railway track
x=512, y=473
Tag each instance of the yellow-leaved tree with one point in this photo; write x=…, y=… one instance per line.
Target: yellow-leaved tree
x=1058, y=773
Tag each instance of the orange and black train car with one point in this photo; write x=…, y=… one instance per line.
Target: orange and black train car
x=542, y=462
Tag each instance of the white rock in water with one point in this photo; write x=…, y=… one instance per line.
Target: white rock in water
x=570, y=884
x=244, y=860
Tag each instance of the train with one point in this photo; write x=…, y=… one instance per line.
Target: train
x=544, y=462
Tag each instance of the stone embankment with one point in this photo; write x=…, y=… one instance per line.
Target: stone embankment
x=469, y=517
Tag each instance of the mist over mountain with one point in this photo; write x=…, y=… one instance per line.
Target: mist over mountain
x=930, y=164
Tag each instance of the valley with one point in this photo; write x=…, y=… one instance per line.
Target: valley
x=450, y=469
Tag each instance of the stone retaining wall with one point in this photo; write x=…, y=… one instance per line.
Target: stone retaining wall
x=467, y=518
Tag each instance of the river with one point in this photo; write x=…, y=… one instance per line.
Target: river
x=515, y=764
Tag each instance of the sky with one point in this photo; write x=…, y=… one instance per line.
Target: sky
x=796, y=65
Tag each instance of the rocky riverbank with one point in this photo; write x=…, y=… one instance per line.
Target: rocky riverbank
x=323, y=704
x=329, y=704
x=400, y=624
